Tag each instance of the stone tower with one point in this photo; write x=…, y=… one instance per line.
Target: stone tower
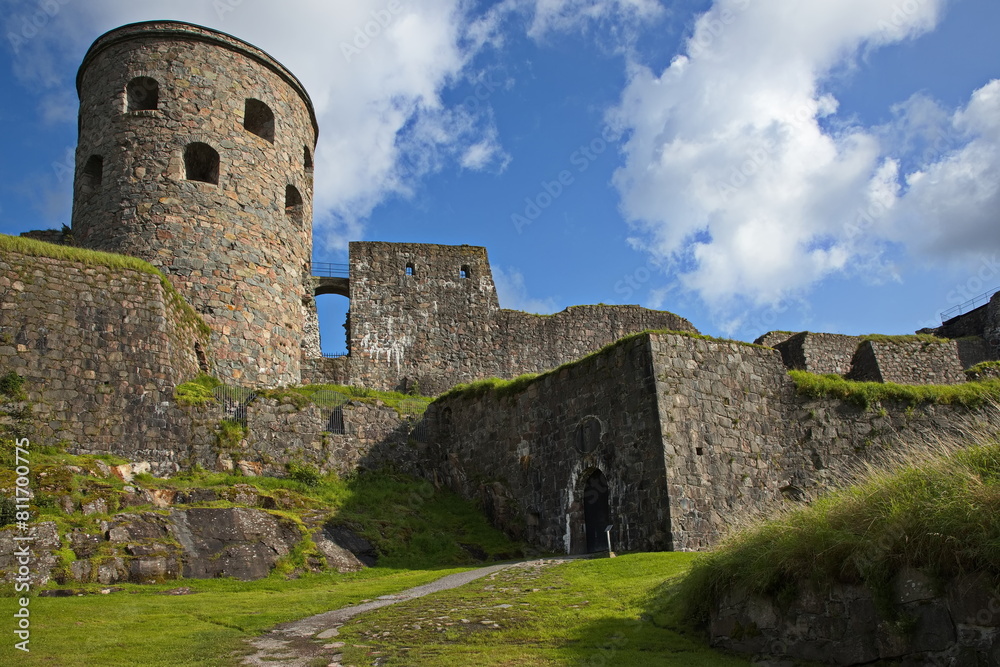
x=196, y=154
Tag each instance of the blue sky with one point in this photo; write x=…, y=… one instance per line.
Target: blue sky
x=831, y=165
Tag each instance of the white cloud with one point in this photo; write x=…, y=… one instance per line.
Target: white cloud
x=513, y=293
x=951, y=206
x=732, y=172
x=570, y=15
x=383, y=125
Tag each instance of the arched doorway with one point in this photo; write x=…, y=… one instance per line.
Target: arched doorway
x=596, y=511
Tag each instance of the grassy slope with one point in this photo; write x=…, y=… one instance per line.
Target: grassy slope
x=941, y=515
x=142, y=626
x=577, y=613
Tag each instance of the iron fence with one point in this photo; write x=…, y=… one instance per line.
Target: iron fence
x=233, y=402
x=971, y=304
x=330, y=270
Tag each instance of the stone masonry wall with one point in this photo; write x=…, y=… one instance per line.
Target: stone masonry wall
x=416, y=321
x=908, y=362
x=101, y=351
x=819, y=353
x=527, y=457
x=238, y=249
x=697, y=436
x=843, y=625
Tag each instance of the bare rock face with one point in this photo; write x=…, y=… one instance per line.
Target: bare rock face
x=344, y=550
x=232, y=542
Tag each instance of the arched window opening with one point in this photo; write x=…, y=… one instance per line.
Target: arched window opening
x=92, y=175
x=334, y=313
x=464, y=272
x=410, y=271
x=259, y=119
x=293, y=202
x=201, y=163
x=307, y=158
x=143, y=94
x=596, y=512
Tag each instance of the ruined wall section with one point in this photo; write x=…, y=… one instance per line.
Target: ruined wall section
x=526, y=455
x=157, y=101
x=421, y=314
x=818, y=353
x=908, y=362
x=101, y=350
x=722, y=408
x=536, y=343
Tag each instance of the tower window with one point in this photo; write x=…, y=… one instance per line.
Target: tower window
x=293, y=202
x=142, y=94
x=201, y=163
x=92, y=175
x=410, y=271
x=259, y=119
x=307, y=158
x=464, y=272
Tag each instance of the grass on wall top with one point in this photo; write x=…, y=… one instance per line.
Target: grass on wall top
x=34, y=248
x=937, y=513
x=867, y=394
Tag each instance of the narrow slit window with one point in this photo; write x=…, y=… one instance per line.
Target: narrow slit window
x=259, y=119
x=143, y=94
x=464, y=272
x=293, y=202
x=201, y=163
x=410, y=271
x=92, y=175
x=307, y=158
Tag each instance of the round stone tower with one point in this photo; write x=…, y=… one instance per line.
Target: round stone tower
x=196, y=154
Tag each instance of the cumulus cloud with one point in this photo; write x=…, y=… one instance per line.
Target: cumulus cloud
x=375, y=70
x=568, y=15
x=950, y=208
x=736, y=168
x=513, y=292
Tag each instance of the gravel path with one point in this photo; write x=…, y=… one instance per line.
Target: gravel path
x=295, y=644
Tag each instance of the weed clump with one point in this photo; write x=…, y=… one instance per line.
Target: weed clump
x=868, y=394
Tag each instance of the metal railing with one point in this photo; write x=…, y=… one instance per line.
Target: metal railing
x=328, y=270
x=233, y=402
x=335, y=355
x=970, y=305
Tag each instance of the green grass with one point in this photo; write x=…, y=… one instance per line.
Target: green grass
x=141, y=626
x=589, y=612
x=35, y=248
x=905, y=338
x=404, y=404
x=941, y=515
x=197, y=391
x=867, y=394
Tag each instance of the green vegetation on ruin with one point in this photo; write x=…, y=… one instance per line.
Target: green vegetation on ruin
x=988, y=367
x=906, y=338
x=198, y=391
x=403, y=404
x=868, y=394
x=940, y=514
x=34, y=248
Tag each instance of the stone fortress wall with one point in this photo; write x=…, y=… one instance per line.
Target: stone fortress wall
x=694, y=437
x=195, y=153
x=427, y=317
x=101, y=350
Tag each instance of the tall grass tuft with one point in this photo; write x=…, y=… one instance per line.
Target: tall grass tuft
x=935, y=507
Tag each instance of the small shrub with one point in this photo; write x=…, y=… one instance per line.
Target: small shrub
x=12, y=386
x=230, y=434
x=304, y=473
